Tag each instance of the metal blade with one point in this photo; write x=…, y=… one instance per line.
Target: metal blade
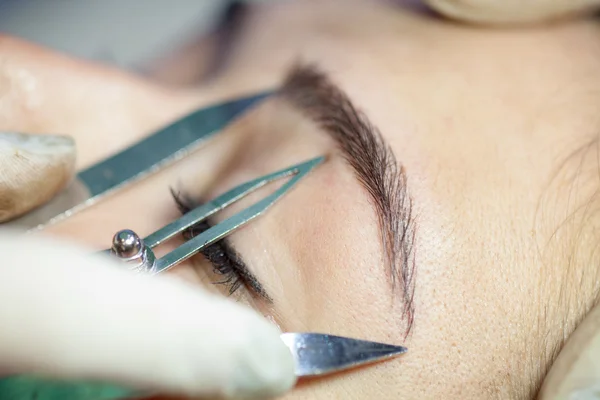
x=315, y=354
x=142, y=159
x=231, y=224
x=319, y=354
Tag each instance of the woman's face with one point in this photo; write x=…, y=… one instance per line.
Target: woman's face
x=490, y=206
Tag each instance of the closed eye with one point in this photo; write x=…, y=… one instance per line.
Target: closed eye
x=225, y=261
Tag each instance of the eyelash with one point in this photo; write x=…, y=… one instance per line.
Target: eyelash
x=223, y=262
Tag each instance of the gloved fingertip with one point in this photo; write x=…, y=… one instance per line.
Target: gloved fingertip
x=33, y=169
x=575, y=375
x=155, y=333
x=267, y=365
x=239, y=355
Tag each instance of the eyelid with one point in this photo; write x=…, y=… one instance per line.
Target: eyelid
x=222, y=261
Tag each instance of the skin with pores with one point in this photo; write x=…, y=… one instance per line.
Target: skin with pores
x=500, y=250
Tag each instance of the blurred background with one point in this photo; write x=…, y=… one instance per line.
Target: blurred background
x=130, y=34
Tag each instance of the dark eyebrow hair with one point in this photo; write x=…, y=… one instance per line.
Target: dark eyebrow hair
x=311, y=92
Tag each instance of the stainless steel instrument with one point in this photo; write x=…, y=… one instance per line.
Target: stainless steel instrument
x=314, y=354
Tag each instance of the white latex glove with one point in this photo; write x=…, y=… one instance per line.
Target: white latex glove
x=67, y=314
x=33, y=168
x=511, y=11
x=575, y=375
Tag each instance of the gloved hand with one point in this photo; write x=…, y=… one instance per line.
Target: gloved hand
x=67, y=314
x=511, y=11
x=575, y=374
x=33, y=168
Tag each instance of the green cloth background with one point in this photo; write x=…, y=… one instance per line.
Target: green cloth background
x=22, y=387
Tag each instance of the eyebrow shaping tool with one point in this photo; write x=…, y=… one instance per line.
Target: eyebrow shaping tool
x=314, y=354
x=142, y=159
x=138, y=253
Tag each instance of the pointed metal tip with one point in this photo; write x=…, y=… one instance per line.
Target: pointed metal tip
x=320, y=354
x=375, y=351
x=396, y=350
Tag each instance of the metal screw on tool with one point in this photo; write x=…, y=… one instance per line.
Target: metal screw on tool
x=126, y=244
x=128, y=247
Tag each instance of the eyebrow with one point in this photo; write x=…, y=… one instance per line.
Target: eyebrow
x=375, y=166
